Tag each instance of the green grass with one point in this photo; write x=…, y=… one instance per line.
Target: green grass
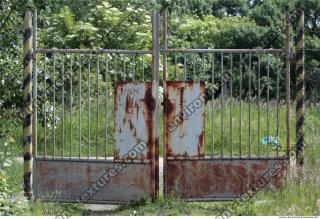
x=232, y=135
x=293, y=198
x=230, y=144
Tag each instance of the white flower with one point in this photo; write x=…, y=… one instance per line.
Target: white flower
x=160, y=93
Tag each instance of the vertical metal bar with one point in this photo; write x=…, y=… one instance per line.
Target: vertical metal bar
x=80, y=105
x=71, y=99
x=203, y=68
x=165, y=66
x=259, y=106
x=249, y=111
x=115, y=67
x=222, y=105
x=124, y=67
x=54, y=105
x=194, y=66
x=156, y=111
x=45, y=107
x=231, y=97
x=106, y=107
x=62, y=105
x=278, y=102
x=27, y=99
x=240, y=100
x=175, y=66
x=155, y=90
x=89, y=69
x=288, y=81
x=212, y=105
x=35, y=86
x=300, y=106
x=97, y=115
x=134, y=68
x=268, y=103
x=142, y=67
x=184, y=66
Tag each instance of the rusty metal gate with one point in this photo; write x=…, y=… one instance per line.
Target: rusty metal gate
x=221, y=137
x=217, y=134
x=94, y=142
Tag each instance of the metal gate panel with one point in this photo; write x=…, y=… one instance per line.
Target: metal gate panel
x=217, y=179
x=67, y=180
x=133, y=118
x=185, y=114
x=84, y=127
x=237, y=159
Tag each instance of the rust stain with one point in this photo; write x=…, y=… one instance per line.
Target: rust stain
x=181, y=101
x=180, y=142
x=116, y=153
x=216, y=178
x=201, y=144
x=115, y=109
x=149, y=107
x=139, y=107
x=170, y=107
x=129, y=104
x=168, y=149
x=69, y=179
x=148, y=99
x=132, y=128
x=88, y=170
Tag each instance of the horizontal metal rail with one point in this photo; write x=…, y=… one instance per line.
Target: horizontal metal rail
x=227, y=158
x=185, y=50
x=94, y=51
x=92, y=159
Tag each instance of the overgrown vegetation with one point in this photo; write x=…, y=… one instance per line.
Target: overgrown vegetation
x=125, y=24
x=293, y=198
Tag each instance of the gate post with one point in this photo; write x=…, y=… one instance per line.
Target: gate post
x=155, y=94
x=287, y=51
x=300, y=97
x=165, y=47
x=34, y=85
x=27, y=100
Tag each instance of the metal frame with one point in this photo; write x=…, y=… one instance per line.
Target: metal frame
x=53, y=160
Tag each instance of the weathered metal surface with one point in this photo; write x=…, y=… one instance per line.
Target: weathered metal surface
x=222, y=178
x=133, y=118
x=67, y=180
x=155, y=102
x=185, y=114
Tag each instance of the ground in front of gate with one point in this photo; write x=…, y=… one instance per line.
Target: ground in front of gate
x=293, y=198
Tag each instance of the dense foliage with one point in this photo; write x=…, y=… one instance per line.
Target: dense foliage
x=115, y=24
